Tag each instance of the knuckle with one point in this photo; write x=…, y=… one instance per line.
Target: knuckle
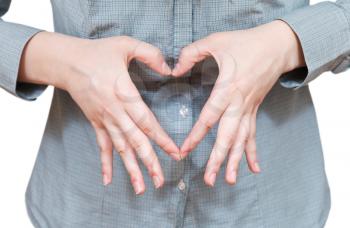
x=106, y=112
x=105, y=164
x=207, y=122
x=235, y=162
x=136, y=137
x=224, y=141
x=117, y=138
x=99, y=112
x=217, y=163
x=152, y=160
x=121, y=146
x=145, y=124
x=121, y=152
x=163, y=143
x=143, y=149
x=127, y=98
x=156, y=54
x=123, y=40
x=194, y=141
x=146, y=129
x=153, y=165
x=105, y=150
x=222, y=153
x=251, y=150
x=259, y=101
x=137, y=145
x=132, y=132
x=186, y=52
x=251, y=137
x=214, y=167
x=134, y=176
x=133, y=173
x=239, y=147
x=96, y=123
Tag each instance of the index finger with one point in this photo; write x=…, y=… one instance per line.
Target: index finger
x=143, y=117
x=210, y=114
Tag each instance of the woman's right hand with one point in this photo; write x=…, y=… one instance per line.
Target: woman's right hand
x=98, y=80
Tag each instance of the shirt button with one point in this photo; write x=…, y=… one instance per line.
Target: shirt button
x=183, y=111
x=181, y=185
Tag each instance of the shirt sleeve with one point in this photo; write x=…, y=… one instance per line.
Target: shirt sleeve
x=323, y=30
x=13, y=38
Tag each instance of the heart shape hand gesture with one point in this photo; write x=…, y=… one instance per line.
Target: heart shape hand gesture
x=250, y=62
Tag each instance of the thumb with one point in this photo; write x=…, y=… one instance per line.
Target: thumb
x=152, y=57
x=190, y=55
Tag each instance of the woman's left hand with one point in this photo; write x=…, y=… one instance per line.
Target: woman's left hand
x=250, y=62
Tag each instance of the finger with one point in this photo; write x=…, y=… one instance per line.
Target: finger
x=207, y=119
x=147, y=122
x=106, y=153
x=223, y=94
x=251, y=154
x=128, y=157
x=237, y=150
x=226, y=133
x=217, y=103
x=138, y=141
x=190, y=55
x=151, y=56
x=130, y=161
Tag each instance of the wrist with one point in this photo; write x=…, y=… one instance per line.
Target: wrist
x=290, y=48
x=70, y=62
x=282, y=45
x=48, y=58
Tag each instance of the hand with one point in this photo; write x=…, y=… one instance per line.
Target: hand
x=250, y=62
x=110, y=100
x=95, y=73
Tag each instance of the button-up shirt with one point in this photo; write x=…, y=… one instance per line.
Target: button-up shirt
x=66, y=188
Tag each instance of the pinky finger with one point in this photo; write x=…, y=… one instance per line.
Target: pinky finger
x=251, y=154
x=106, y=147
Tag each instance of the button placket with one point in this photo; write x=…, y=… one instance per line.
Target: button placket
x=181, y=185
x=184, y=111
x=183, y=31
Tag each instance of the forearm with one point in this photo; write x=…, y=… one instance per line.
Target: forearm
x=282, y=43
x=48, y=58
x=291, y=48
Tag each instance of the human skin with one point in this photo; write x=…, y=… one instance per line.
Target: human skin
x=250, y=62
x=95, y=74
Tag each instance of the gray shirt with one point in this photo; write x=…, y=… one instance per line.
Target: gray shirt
x=66, y=188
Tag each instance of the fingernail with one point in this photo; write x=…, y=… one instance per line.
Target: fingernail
x=105, y=179
x=137, y=188
x=166, y=69
x=234, y=176
x=185, y=149
x=180, y=156
x=257, y=167
x=212, y=179
x=176, y=156
x=176, y=68
x=156, y=181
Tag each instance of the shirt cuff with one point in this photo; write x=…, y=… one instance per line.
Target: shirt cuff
x=13, y=38
x=324, y=34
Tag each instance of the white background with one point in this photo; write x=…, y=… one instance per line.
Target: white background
x=22, y=124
